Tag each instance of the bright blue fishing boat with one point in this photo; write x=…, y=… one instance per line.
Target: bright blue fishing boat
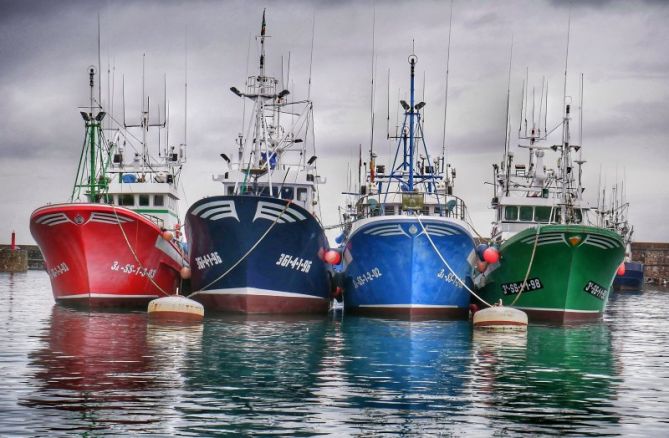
x=407, y=249
x=259, y=247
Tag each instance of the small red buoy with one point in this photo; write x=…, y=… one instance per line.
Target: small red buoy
x=621, y=269
x=481, y=266
x=491, y=255
x=167, y=235
x=473, y=308
x=332, y=257
x=185, y=272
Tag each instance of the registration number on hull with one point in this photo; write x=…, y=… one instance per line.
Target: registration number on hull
x=595, y=290
x=367, y=277
x=130, y=269
x=515, y=288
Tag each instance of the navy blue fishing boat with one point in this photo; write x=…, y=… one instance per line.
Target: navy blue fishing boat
x=259, y=247
x=408, y=251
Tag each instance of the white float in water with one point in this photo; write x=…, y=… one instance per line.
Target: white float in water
x=176, y=308
x=500, y=317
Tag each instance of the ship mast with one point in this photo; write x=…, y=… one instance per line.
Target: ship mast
x=260, y=103
x=90, y=161
x=413, y=59
x=564, y=165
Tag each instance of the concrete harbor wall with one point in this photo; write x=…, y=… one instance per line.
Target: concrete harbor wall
x=13, y=260
x=32, y=254
x=655, y=257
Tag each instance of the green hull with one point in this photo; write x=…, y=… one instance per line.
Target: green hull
x=571, y=274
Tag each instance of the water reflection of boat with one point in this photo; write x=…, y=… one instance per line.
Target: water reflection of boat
x=556, y=380
x=255, y=373
x=406, y=374
x=97, y=365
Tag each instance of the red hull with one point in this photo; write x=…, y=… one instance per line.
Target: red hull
x=91, y=263
x=260, y=304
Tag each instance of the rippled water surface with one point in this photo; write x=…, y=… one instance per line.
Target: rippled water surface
x=66, y=372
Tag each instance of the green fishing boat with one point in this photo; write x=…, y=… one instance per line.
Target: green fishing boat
x=547, y=258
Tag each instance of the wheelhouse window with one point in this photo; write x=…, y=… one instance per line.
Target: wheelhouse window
x=127, y=200
x=426, y=210
x=158, y=200
x=143, y=200
x=302, y=194
x=526, y=213
x=511, y=213
x=287, y=193
x=231, y=189
x=542, y=214
x=264, y=191
x=389, y=210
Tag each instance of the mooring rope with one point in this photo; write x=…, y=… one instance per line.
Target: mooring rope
x=250, y=249
x=118, y=221
x=529, y=267
x=448, y=266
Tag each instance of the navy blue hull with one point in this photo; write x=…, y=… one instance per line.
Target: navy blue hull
x=633, y=279
x=392, y=269
x=251, y=254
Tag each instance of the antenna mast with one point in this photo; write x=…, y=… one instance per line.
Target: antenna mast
x=371, y=99
x=99, y=69
x=508, y=102
x=448, y=60
x=311, y=55
x=565, y=131
x=183, y=151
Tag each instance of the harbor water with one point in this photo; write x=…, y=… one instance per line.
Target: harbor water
x=78, y=373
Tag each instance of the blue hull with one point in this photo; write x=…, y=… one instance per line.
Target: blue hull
x=392, y=269
x=633, y=279
x=251, y=254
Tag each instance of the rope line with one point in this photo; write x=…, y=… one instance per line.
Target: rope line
x=134, y=254
x=436, y=250
x=529, y=267
x=249, y=251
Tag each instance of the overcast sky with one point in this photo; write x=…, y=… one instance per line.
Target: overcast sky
x=619, y=46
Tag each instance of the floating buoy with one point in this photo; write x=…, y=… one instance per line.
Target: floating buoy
x=175, y=308
x=500, y=317
x=491, y=255
x=481, y=266
x=332, y=257
x=185, y=272
x=621, y=269
x=167, y=235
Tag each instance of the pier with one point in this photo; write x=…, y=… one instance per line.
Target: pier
x=24, y=257
x=655, y=257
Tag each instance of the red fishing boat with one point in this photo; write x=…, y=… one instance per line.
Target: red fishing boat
x=116, y=242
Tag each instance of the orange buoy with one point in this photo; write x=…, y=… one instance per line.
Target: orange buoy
x=185, y=272
x=332, y=257
x=491, y=255
x=621, y=270
x=500, y=318
x=481, y=266
x=167, y=235
x=176, y=308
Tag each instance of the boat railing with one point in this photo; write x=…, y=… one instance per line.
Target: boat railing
x=410, y=203
x=156, y=220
